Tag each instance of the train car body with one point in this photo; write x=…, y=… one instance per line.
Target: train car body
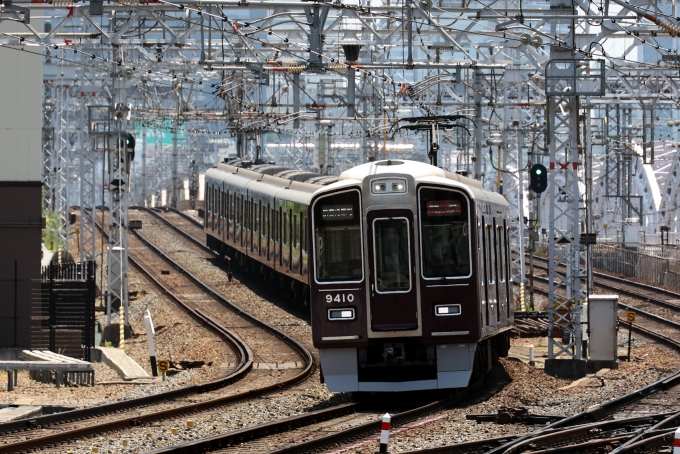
x=406, y=266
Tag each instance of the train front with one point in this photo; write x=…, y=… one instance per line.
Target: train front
x=392, y=291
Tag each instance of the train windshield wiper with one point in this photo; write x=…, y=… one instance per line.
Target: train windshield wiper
x=435, y=269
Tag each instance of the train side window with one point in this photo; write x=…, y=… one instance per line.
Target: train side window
x=227, y=206
x=279, y=226
x=285, y=228
x=489, y=254
x=507, y=251
x=296, y=237
x=303, y=232
x=484, y=268
x=275, y=225
x=239, y=210
x=500, y=241
x=257, y=209
x=265, y=221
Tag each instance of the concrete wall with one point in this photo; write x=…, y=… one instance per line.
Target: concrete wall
x=20, y=115
x=20, y=187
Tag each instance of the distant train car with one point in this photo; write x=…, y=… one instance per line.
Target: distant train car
x=406, y=266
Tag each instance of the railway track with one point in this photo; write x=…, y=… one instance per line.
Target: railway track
x=136, y=413
x=288, y=437
x=642, y=421
x=313, y=425
x=657, y=314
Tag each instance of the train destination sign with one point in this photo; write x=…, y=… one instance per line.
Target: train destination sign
x=337, y=212
x=443, y=207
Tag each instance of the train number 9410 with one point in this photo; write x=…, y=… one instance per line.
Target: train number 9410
x=339, y=298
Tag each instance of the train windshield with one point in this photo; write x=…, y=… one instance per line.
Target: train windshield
x=392, y=255
x=445, y=233
x=337, y=238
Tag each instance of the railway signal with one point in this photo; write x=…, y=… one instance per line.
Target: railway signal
x=538, y=178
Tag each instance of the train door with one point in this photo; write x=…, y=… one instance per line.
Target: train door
x=508, y=266
x=239, y=220
x=270, y=232
x=257, y=213
x=303, y=244
x=228, y=214
x=483, y=291
x=287, y=236
x=492, y=301
x=391, y=246
x=279, y=236
x=218, y=204
x=294, y=243
x=501, y=277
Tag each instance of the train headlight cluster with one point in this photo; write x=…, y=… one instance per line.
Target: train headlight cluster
x=447, y=309
x=341, y=314
x=388, y=186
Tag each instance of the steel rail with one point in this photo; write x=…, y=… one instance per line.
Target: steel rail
x=222, y=441
x=508, y=445
x=637, y=310
x=156, y=416
x=228, y=439
x=242, y=350
x=649, y=287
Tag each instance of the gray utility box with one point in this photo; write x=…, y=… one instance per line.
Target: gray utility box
x=603, y=328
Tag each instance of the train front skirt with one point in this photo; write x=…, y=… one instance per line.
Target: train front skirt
x=453, y=369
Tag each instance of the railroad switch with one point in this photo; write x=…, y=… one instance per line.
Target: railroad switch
x=507, y=415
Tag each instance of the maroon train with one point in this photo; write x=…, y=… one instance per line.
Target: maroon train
x=409, y=283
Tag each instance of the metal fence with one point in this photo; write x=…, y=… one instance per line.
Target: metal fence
x=16, y=297
x=63, y=312
x=655, y=264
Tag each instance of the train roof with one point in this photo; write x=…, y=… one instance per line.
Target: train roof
x=417, y=170
x=285, y=174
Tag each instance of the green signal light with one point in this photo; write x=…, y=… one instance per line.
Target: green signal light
x=538, y=171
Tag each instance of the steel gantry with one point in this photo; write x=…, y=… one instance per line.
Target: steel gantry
x=318, y=86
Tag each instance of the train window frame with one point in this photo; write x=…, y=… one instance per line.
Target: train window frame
x=361, y=238
x=408, y=249
x=468, y=200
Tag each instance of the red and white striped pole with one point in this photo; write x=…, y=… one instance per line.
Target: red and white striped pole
x=676, y=442
x=385, y=432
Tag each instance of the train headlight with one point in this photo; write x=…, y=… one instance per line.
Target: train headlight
x=387, y=186
x=341, y=314
x=447, y=309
